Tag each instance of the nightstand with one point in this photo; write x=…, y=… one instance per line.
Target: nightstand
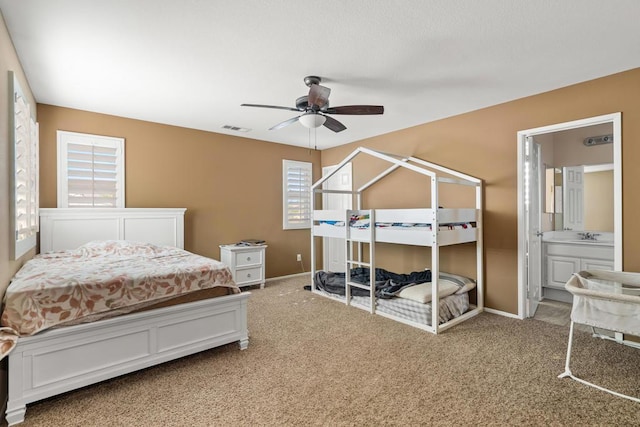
x=245, y=262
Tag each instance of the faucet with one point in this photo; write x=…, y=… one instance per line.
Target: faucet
x=588, y=236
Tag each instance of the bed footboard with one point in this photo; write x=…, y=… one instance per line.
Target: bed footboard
x=64, y=359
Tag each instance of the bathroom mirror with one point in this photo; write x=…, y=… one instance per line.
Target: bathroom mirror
x=593, y=208
x=553, y=190
x=549, y=191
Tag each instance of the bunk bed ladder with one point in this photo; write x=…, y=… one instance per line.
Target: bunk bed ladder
x=354, y=258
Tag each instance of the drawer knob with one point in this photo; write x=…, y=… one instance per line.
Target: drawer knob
x=248, y=258
x=248, y=274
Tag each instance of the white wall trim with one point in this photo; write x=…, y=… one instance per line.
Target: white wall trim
x=288, y=276
x=65, y=138
x=616, y=120
x=503, y=313
x=598, y=168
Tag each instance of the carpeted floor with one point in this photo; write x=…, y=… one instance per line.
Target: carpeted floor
x=314, y=361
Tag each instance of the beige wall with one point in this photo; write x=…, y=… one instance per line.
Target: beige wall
x=231, y=186
x=483, y=143
x=598, y=201
x=569, y=149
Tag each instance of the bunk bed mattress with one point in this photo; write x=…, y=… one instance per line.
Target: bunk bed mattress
x=449, y=307
x=104, y=279
x=397, y=232
x=364, y=224
x=453, y=301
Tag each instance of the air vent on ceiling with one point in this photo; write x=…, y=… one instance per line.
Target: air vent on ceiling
x=235, y=128
x=598, y=140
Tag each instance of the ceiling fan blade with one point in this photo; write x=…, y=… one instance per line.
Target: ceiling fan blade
x=356, y=109
x=285, y=123
x=277, y=107
x=333, y=124
x=318, y=95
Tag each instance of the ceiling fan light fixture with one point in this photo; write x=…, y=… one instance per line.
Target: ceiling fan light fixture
x=312, y=120
x=315, y=111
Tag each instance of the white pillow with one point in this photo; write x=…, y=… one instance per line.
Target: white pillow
x=465, y=284
x=422, y=292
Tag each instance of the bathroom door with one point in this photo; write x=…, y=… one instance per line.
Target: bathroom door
x=334, y=257
x=573, y=197
x=534, y=235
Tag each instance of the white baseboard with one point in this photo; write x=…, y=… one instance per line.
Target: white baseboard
x=488, y=310
x=502, y=313
x=272, y=279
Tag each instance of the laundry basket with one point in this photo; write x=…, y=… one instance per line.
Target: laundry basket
x=604, y=299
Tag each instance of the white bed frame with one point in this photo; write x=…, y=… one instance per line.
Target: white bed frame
x=419, y=236
x=68, y=228
x=63, y=359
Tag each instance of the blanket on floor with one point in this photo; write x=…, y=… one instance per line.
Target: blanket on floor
x=388, y=284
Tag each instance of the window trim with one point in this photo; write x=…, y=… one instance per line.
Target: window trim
x=287, y=165
x=25, y=240
x=66, y=137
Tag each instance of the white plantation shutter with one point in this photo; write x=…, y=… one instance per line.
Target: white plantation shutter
x=296, y=177
x=90, y=171
x=25, y=177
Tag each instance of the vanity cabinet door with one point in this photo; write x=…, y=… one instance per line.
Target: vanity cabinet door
x=596, y=264
x=560, y=269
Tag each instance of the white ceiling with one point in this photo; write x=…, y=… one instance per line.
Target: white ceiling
x=191, y=63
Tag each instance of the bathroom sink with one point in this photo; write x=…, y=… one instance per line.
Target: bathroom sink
x=582, y=241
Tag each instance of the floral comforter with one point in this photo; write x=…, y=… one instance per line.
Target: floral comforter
x=89, y=283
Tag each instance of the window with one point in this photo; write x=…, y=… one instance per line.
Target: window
x=90, y=171
x=24, y=134
x=296, y=197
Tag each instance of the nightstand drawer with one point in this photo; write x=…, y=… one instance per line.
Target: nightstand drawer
x=248, y=258
x=246, y=263
x=248, y=275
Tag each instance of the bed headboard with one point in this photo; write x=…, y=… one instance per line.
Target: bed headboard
x=68, y=228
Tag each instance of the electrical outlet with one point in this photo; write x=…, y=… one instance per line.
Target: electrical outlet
x=299, y=257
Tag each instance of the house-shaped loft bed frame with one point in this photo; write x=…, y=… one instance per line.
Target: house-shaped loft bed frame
x=432, y=236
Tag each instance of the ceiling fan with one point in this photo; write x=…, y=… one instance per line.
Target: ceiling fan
x=315, y=107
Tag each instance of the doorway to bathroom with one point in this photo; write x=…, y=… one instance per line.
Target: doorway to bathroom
x=334, y=250
x=554, y=204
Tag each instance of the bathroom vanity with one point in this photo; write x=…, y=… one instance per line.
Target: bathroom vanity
x=565, y=254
